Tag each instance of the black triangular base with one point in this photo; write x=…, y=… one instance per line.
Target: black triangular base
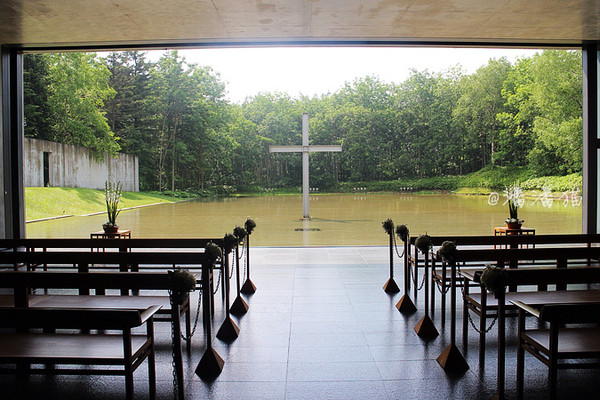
x=239, y=306
x=406, y=305
x=391, y=286
x=229, y=331
x=248, y=287
x=452, y=360
x=426, y=329
x=210, y=365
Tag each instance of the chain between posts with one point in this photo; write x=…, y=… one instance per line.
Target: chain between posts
x=396, y=248
x=232, y=268
x=483, y=293
x=442, y=291
x=188, y=338
x=414, y=278
x=218, y=282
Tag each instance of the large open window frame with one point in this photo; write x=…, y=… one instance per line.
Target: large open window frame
x=12, y=211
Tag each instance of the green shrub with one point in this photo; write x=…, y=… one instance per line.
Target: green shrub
x=554, y=183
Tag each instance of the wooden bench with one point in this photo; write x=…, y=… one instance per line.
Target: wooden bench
x=532, y=277
x=484, y=305
x=125, y=350
x=441, y=275
x=129, y=245
x=559, y=342
x=22, y=281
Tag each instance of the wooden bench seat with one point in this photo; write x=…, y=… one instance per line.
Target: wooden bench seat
x=573, y=342
x=30, y=352
x=56, y=348
x=562, y=345
x=114, y=302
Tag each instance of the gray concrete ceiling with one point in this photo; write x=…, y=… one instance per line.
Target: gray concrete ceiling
x=56, y=23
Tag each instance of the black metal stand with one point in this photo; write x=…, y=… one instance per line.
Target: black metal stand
x=425, y=327
x=451, y=358
x=406, y=305
x=229, y=331
x=248, y=287
x=211, y=364
x=239, y=306
x=391, y=286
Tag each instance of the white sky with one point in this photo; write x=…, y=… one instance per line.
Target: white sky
x=319, y=70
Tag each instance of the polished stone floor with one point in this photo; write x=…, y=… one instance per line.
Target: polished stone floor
x=320, y=327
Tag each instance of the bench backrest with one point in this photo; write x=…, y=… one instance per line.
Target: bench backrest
x=88, y=257
x=85, y=280
x=183, y=243
x=507, y=240
x=549, y=276
x=511, y=256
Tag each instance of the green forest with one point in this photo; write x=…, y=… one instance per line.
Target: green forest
x=524, y=117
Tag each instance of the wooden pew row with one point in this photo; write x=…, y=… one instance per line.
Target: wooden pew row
x=484, y=306
x=127, y=245
x=532, y=277
x=441, y=276
x=126, y=351
x=22, y=281
x=123, y=245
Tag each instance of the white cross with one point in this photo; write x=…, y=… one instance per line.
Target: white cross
x=304, y=149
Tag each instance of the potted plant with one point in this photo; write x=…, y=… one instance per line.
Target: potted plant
x=112, y=197
x=515, y=199
x=513, y=222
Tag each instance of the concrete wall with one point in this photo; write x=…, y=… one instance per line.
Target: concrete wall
x=73, y=166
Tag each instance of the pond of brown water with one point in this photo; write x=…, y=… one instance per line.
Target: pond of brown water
x=337, y=220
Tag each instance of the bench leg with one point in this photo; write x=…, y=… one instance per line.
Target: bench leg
x=188, y=321
x=553, y=361
x=128, y=364
x=151, y=361
x=520, y=357
x=443, y=301
x=465, y=320
x=482, y=323
x=432, y=295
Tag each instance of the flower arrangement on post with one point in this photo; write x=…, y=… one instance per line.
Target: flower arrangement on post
x=181, y=282
x=402, y=232
x=388, y=226
x=423, y=243
x=514, y=198
x=112, y=197
x=493, y=278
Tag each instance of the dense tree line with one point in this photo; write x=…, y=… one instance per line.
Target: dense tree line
x=175, y=117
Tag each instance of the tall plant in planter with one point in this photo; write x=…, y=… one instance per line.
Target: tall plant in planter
x=112, y=197
x=515, y=199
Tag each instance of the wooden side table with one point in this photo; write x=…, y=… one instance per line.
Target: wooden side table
x=120, y=234
x=504, y=231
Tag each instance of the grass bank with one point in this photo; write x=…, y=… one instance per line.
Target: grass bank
x=481, y=182
x=45, y=202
